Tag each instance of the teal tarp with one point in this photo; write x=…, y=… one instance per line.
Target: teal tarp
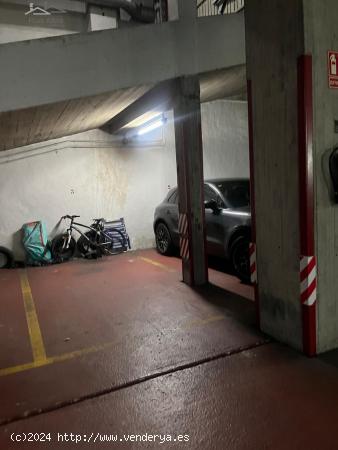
x=35, y=241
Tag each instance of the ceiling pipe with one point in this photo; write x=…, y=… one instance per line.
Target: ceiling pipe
x=137, y=12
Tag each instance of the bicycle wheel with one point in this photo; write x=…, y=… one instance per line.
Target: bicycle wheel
x=84, y=246
x=113, y=242
x=59, y=247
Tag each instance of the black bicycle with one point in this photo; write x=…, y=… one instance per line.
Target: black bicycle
x=96, y=241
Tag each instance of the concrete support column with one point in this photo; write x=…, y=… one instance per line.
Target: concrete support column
x=294, y=130
x=274, y=43
x=189, y=157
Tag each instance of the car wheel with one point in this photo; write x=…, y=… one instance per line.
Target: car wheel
x=164, y=244
x=240, y=258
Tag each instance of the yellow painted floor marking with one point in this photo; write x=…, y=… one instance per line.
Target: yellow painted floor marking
x=89, y=350
x=157, y=264
x=54, y=359
x=200, y=322
x=39, y=353
x=38, y=348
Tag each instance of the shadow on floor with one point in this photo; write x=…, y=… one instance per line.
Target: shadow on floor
x=231, y=305
x=330, y=358
x=219, y=264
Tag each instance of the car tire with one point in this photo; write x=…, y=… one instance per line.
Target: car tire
x=6, y=258
x=164, y=243
x=240, y=258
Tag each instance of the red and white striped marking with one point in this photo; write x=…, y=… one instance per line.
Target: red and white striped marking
x=183, y=224
x=253, y=266
x=184, y=238
x=308, y=280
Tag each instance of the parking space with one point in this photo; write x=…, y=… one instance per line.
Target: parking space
x=92, y=329
x=13, y=327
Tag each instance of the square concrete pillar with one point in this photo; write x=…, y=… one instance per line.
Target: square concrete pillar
x=274, y=42
x=294, y=130
x=189, y=157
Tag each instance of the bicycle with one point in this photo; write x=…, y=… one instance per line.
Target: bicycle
x=96, y=240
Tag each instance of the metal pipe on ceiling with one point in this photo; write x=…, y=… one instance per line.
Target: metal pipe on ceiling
x=137, y=12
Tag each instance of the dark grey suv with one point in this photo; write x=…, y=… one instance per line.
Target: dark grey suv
x=228, y=222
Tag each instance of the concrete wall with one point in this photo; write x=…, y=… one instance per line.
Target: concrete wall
x=16, y=26
x=92, y=175
x=274, y=40
x=321, y=20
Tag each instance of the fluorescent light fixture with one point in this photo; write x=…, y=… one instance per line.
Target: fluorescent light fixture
x=144, y=119
x=151, y=126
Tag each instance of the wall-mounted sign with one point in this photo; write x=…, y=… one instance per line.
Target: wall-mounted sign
x=332, y=60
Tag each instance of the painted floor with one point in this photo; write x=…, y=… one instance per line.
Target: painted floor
x=119, y=353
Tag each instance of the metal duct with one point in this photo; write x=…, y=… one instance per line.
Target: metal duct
x=137, y=12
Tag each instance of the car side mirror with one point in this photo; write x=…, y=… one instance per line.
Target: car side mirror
x=211, y=204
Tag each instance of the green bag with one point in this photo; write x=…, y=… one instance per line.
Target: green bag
x=35, y=241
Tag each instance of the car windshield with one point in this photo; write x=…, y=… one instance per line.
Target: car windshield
x=235, y=192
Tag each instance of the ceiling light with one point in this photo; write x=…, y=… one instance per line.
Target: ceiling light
x=151, y=126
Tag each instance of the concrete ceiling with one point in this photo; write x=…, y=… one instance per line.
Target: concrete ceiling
x=32, y=125
x=228, y=83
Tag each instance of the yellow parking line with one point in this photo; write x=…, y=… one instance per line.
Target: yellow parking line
x=157, y=264
x=38, y=348
x=199, y=322
x=54, y=359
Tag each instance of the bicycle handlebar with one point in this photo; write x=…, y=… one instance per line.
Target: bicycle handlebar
x=69, y=217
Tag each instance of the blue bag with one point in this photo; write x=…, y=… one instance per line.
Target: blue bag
x=35, y=241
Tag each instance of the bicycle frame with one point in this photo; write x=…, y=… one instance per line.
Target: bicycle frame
x=97, y=233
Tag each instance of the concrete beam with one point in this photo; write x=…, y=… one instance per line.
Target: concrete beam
x=160, y=98
x=56, y=69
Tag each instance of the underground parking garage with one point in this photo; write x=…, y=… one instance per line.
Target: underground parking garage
x=202, y=137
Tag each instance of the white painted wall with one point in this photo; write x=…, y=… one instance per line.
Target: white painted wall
x=94, y=176
x=225, y=139
x=101, y=18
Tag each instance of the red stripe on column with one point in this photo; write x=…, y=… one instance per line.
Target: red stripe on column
x=252, y=190
x=306, y=202
x=253, y=268
x=308, y=319
x=188, y=210
x=206, y=273
x=305, y=126
x=306, y=294
x=308, y=269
